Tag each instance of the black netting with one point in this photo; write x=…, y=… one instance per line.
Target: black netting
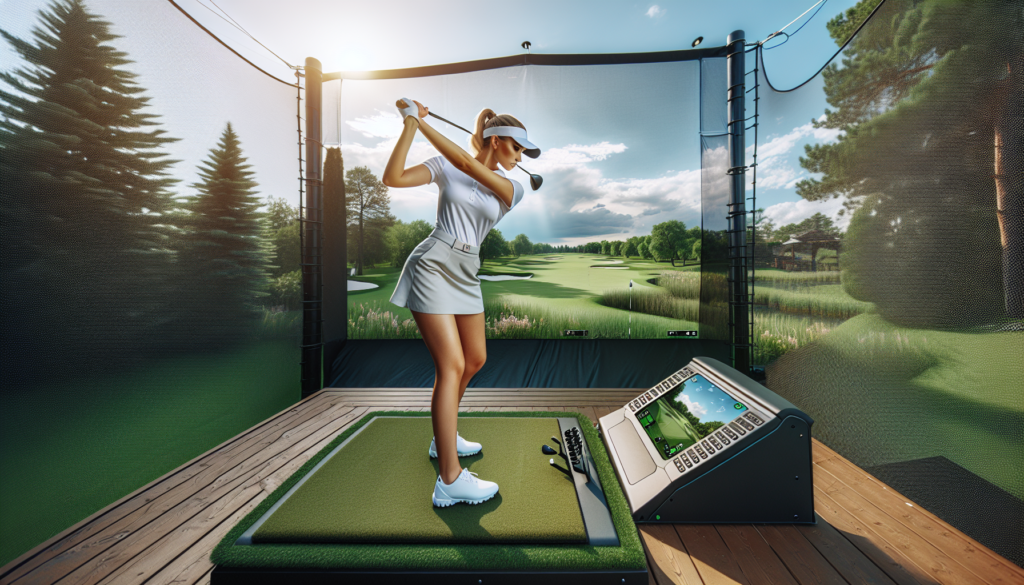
x=141, y=285
x=923, y=383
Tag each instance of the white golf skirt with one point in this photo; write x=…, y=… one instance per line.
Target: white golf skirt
x=440, y=276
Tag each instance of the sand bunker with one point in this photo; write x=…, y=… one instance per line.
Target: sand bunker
x=356, y=285
x=503, y=277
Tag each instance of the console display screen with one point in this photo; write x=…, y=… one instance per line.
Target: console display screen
x=686, y=414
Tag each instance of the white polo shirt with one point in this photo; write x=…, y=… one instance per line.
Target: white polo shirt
x=466, y=209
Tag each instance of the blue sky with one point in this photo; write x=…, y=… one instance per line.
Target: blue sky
x=601, y=179
x=707, y=402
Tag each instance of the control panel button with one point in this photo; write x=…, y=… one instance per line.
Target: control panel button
x=715, y=442
x=737, y=428
x=753, y=418
x=745, y=424
x=729, y=432
x=721, y=437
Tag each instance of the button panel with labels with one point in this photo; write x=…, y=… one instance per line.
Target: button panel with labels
x=663, y=387
x=718, y=440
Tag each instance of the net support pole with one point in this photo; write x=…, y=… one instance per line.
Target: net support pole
x=311, y=228
x=737, y=215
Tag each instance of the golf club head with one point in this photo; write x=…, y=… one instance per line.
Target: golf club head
x=535, y=181
x=548, y=450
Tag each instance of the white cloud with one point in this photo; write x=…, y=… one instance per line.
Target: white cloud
x=797, y=211
x=695, y=409
x=381, y=125
x=655, y=11
x=773, y=168
x=583, y=202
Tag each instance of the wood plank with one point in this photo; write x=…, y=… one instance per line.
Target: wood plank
x=154, y=546
x=668, y=562
x=977, y=558
x=201, y=470
x=93, y=558
x=426, y=402
x=711, y=556
x=841, y=554
x=184, y=559
x=194, y=561
x=938, y=565
x=800, y=557
x=754, y=556
x=886, y=557
x=819, y=452
x=485, y=390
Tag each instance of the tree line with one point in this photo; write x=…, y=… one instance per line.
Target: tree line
x=106, y=257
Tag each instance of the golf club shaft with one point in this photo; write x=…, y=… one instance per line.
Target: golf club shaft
x=467, y=132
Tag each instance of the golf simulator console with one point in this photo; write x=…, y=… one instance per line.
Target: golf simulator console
x=710, y=445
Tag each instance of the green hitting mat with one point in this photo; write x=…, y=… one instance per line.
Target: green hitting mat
x=361, y=508
x=377, y=487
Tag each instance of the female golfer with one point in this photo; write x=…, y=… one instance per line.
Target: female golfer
x=439, y=281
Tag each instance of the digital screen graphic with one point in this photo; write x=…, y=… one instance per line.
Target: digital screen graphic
x=687, y=414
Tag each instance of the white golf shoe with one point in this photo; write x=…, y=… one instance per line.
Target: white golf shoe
x=464, y=447
x=466, y=488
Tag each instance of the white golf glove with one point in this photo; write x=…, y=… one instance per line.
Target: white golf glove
x=411, y=109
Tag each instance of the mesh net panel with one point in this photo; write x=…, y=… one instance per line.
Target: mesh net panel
x=923, y=385
x=138, y=276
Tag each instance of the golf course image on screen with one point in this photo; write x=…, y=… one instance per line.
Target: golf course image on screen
x=686, y=414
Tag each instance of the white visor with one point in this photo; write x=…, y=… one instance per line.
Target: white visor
x=517, y=134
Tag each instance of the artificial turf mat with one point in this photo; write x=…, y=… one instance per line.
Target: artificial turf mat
x=378, y=487
x=628, y=555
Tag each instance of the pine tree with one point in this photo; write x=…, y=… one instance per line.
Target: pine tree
x=82, y=192
x=226, y=246
x=928, y=95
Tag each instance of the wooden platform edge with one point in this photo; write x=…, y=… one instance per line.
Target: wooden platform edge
x=13, y=565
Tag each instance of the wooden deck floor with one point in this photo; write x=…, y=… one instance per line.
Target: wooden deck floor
x=164, y=532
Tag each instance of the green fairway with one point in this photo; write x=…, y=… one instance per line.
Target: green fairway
x=899, y=394
x=568, y=291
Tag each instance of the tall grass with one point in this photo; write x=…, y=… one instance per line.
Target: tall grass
x=516, y=319
x=830, y=302
x=370, y=321
x=652, y=302
x=776, y=334
x=684, y=285
x=832, y=277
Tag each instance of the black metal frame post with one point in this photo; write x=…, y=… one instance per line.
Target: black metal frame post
x=311, y=234
x=739, y=300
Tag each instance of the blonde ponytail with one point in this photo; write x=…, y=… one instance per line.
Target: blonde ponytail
x=487, y=119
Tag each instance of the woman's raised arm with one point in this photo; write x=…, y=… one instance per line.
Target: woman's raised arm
x=461, y=160
x=395, y=174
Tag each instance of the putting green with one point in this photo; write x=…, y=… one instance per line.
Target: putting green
x=464, y=537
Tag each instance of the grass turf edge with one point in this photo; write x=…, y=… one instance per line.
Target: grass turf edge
x=629, y=555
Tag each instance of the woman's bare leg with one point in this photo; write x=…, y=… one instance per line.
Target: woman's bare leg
x=474, y=346
x=441, y=335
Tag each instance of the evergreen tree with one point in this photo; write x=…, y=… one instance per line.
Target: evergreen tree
x=83, y=191
x=928, y=97
x=227, y=247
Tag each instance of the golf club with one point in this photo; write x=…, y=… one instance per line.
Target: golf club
x=535, y=180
